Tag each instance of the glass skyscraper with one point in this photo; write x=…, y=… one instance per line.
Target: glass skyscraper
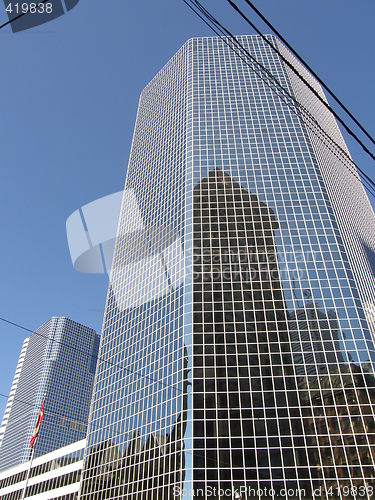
x=236, y=357
x=58, y=360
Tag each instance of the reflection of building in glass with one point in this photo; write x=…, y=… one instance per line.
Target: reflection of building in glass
x=59, y=360
x=337, y=425
x=242, y=369
x=115, y=475
x=235, y=203
x=315, y=341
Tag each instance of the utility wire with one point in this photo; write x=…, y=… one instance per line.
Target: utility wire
x=110, y=363
x=235, y=7
x=182, y=391
x=137, y=373
x=91, y=423
x=300, y=76
x=368, y=180
x=225, y=34
x=128, y=434
x=94, y=425
x=23, y=14
x=307, y=67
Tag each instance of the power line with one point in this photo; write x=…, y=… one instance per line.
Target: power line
x=94, y=426
x=137, y=373
x=17, y=325
x=368, y=182
x=288, y=99
x=98, y=358
x=223, y=33
x=325, y=104
x=331, y=93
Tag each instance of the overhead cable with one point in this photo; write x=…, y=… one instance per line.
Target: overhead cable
x=288, y=99
x=88, y=354
x=302, y=61
x=325, y=103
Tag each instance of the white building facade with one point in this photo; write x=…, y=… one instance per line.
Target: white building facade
x=54, y=475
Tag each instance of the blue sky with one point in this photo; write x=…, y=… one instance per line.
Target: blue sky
x=68, y=97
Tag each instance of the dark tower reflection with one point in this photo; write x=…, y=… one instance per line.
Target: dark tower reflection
x=244, y=389
x=315, y=341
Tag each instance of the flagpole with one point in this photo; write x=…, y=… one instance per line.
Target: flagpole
x=33, y=441
x=28, y=472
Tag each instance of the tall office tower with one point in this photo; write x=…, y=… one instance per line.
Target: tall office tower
x=315, y=341
x=57, y=361
x=236, y=357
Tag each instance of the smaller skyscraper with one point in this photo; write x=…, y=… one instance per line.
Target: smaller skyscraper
x=315, y=341
x=57, y=360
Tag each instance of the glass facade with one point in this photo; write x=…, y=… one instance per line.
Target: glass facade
x=236, y=358
x=58, y=361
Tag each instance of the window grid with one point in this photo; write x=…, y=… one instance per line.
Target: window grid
x=254, y=365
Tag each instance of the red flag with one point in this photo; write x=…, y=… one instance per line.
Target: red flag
x=37, y=425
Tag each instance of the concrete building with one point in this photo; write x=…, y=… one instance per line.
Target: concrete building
x=54, y=475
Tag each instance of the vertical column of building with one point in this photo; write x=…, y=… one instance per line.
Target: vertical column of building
x=67, y=380
x=247, y=126
x=135, y=440
x=15, y=447
x=13, y=389
x=352, y=213
x=339, y=338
